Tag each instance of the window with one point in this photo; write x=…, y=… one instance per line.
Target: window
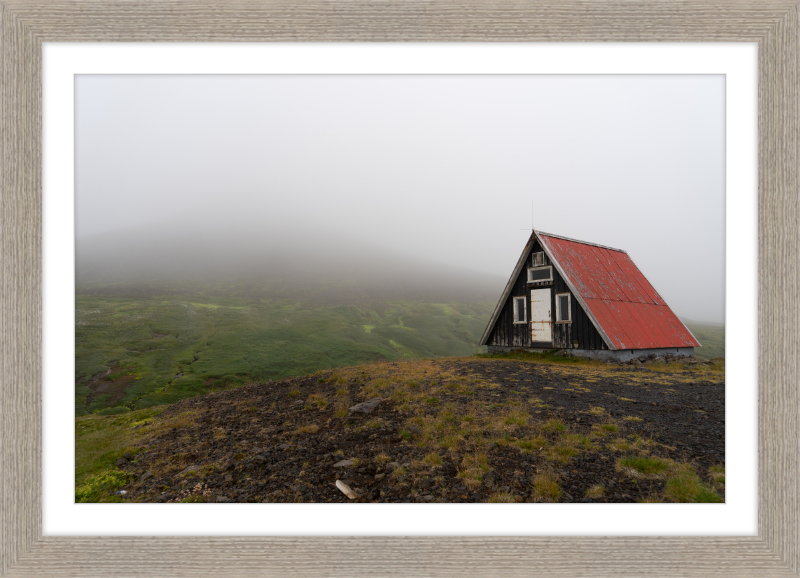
x=519, y=310
x=537, y=259
x=539, y=274
x=563, y=309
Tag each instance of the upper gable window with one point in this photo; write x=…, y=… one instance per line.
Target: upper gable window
x=539, y=274
x=537, y=259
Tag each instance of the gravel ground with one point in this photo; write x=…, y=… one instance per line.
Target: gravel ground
x=450, y=430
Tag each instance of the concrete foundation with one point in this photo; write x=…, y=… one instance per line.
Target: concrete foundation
x=605, y=354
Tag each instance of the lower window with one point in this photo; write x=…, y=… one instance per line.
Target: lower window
x=520, y=315
x=563, y=308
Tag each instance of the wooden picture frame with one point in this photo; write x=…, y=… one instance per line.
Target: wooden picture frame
x=26, y=24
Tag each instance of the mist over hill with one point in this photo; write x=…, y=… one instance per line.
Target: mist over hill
x=256, y=263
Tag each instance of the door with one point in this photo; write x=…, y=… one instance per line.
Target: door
x=540, y=316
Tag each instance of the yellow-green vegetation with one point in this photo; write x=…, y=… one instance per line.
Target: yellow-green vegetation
x=307, y=429
x=545, y=487
x=619, y=445
x=577, y=441
x=553, y=426
x=100, y=487
x=101, y=440
x=316, y=401
x=433, y=459
x=342, y=406
x=502, y=498
x=528, y=445
x=643, y=466
x=596, y=491
x=472, y=469
x=562, y=452
x=717, y=474
x=684, y=485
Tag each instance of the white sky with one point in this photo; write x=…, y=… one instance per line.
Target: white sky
x=446, y=168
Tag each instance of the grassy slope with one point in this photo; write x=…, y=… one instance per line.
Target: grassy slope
x=102, y=439
x=711, y=337
x=219, y=342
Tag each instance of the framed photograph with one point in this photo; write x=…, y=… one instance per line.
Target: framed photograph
x=353, y=542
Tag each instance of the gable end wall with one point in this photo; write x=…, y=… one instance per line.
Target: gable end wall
x=508, y=334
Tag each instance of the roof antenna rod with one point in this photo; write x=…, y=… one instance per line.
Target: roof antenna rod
x=532, y=226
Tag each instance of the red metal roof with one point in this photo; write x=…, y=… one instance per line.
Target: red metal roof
x=625, y=306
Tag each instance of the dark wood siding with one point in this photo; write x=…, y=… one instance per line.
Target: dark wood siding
x=580, y=330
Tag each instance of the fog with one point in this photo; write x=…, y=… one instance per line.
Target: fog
x=420, y=185
x=249, y=263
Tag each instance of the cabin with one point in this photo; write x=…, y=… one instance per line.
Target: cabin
x=587, y=298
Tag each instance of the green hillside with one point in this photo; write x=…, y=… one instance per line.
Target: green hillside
x=141, y=352
x=710, y=336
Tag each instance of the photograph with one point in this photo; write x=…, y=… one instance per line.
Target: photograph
x=391, y=288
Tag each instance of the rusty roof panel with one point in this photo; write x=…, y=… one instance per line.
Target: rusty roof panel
x=623, y=288
x=644, y=325
x=610, y=323
x=631, y=272
x=627, y=308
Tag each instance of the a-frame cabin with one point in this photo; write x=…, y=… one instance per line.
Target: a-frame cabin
x=591, y=299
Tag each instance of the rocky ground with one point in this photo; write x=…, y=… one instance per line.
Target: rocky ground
x=513, y=429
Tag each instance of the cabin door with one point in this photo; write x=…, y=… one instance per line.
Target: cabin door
x=540, y=316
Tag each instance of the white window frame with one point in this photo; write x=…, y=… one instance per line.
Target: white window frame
x=524, y=310
x=534, y=264
x=558, y=308
x=550, y=280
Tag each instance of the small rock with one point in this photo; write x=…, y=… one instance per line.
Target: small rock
x=121, y=462
x=229, y=465
x=345, y=489
x=189, y=469
x=427, y=498
x=573, y=488
x=260, y=459
x=379, y=477
x=654, y=403
x=414, y=430
x=392, y=465
x=366, y=406
x=518, y=499
x=146, y=476
x=223, y=500
x=344, y=463
x=284, y=446
x=127, y=456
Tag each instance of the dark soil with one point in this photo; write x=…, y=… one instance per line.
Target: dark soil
x=242, y=445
